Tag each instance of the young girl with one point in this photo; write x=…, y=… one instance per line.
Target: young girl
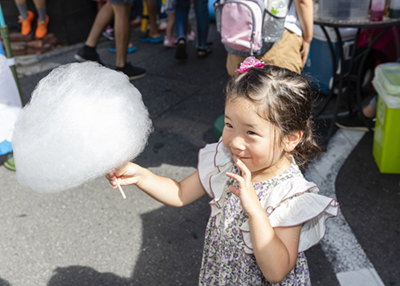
x=264, y=214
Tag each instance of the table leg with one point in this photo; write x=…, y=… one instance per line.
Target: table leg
x=340, y=78
x=334, y=68
x=359, y=74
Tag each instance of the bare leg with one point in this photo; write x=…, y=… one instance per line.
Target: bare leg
x=369, y=111
x=100, y=5
x=103, y=17
x=170, y=25
x=152, y=9
x=38, y=3
x=121, y=32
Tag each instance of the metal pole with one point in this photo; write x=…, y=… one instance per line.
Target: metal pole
x=9, y=54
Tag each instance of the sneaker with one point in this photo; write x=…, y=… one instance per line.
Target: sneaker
x=354, y=121
x=136, y=22
x=191, y=36
x=131, y=71
x=169, y=42
x=26, y=23
x=88, y=54
x=109, y=33
x=41, y=29
x=162, y=26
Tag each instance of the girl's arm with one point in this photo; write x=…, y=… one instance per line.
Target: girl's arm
x=305, y=13
x=164, y=190
x=275, y=249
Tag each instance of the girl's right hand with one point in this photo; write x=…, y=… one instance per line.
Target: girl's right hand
x=127, y=174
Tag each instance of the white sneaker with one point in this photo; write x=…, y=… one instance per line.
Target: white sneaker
x=191, y=36
x=169, y=42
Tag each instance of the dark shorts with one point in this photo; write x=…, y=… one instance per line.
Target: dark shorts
x=119, y=2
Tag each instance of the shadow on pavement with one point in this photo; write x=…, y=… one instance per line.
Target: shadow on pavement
x=83, y=276
x=4, y=282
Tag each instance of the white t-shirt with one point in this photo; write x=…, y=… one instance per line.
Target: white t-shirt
x=292, y=22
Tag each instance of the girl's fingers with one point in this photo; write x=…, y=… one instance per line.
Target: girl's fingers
x=236, y=177
x=233, y=190
x=243, y=168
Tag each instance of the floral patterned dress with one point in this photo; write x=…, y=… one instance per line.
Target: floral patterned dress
x=225, y=262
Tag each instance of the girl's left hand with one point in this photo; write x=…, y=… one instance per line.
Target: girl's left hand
x=246, y=193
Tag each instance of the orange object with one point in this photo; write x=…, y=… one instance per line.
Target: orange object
x=41, y=29
x=26, y=23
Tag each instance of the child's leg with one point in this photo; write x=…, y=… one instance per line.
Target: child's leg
x=26, y=17
x=170, y=25
x=22, y=8
x=41, y=9
x=190, y=34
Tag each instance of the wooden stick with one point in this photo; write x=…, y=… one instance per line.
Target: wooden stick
x=121, y=190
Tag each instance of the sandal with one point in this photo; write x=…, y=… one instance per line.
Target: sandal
x=181, y=53
x=131, y=48
x=202, y=53
x=145, y=37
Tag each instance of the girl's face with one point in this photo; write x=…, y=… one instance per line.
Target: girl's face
x=253, y=140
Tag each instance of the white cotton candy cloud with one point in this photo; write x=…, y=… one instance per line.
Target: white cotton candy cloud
x=83, y=121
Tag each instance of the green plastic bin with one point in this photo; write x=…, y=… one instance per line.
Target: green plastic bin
x=386, y=146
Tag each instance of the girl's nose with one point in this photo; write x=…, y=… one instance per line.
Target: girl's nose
x=237, y=143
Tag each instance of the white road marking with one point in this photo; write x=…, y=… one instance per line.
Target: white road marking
x=349, y=261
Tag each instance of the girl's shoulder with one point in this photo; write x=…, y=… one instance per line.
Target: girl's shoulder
x=214, y=161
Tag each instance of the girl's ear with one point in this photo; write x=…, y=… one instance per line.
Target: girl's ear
x=290, y=141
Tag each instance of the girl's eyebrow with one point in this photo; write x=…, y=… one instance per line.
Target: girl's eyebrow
x=248, y=125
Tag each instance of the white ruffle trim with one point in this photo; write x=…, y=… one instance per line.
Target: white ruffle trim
x=291, y=203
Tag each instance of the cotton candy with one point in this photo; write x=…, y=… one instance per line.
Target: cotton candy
x=83, y=120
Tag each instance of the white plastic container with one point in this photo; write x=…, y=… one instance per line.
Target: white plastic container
x=343, y=9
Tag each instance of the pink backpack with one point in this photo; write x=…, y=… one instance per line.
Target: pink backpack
x=247, y=28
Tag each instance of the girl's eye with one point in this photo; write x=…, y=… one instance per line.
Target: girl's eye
x=228, y=125
x=251, y=133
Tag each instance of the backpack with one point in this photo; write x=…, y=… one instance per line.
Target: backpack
x=250, y=27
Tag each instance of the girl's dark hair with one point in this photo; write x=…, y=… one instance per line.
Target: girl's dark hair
x=285, y=99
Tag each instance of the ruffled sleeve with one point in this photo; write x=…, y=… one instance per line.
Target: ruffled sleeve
x=296, y=202
x=214, y=162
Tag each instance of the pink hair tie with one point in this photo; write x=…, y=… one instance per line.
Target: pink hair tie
x=250, y=62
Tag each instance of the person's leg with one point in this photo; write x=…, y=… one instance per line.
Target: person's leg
x=121, y=32
x=152, y=9
x=181, y=21
x=26, y=17
x=100, y=5
x=169, y=40
x=181, y=18
x=41, y=29
x=41, y=9
x=88, y=51
x=370, y=110
x=203, y=20
x=22, y=8
x=103, y=17
x=169, y=32
x=122, y=9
